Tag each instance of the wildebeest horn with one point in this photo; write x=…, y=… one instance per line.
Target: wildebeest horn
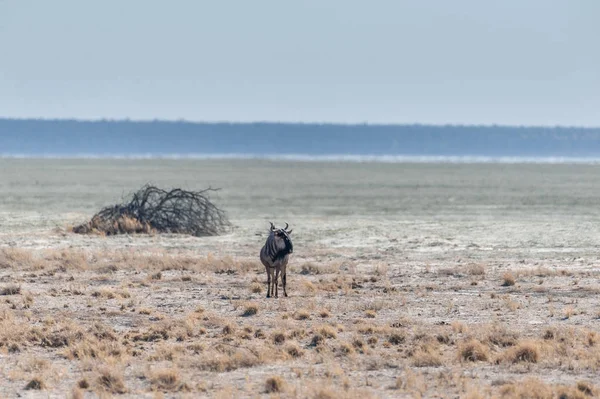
x=272, y=226
x=286, y=226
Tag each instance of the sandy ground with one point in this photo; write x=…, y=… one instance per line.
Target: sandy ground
x=403, y=272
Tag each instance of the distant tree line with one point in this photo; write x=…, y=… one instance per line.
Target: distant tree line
x=70, y=137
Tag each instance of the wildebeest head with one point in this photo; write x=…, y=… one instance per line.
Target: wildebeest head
x=282, y=238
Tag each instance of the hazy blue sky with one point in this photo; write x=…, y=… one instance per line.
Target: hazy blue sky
x=460, y=61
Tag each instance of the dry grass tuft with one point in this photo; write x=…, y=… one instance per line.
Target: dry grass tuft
x=508, y=279
x=426, y=356
x=397, y=338
x=35, y=384
x=294, y=350
x=528, y=388
x=278, y=337
x=111, y=381
x=473, y=351
x=346, y=348
x=302, y=315
x=83, y=384
x=327, y=331
x=370, y=314
x=250, y=310
x=10, y=290
x=274, y=384
x=167, y=380
x=527, y=351
x=587, y=388
x=324, y=313
x=501, y=337
x=256, y=288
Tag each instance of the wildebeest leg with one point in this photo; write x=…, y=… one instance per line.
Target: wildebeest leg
x=268, y=282
x=284, y=281
x=276, y=282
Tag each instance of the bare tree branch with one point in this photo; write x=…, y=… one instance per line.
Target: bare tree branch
x=152, y=209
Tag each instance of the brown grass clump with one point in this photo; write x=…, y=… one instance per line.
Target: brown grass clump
x=278, y=337
x=426, y=355
x=346, y=348
x=528, y=388
x=10, y=290
x=500, y=336
x=250, y=310
x=111, y=381
x=302, y=315
x=397, y=338
x=83, y=384
x=473, y=351
x=256, y=288
x=508, y=279
x=35, y=384
x=294, y=350
x=15, y=258
x=586, y=388
x=527, y=351
x=274, y=384
x=324, y=313
x=370, y=314
x=167, y=380
x=327, y=331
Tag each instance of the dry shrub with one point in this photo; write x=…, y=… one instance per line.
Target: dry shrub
x=508, y=279
x=151, y=210
x=473, y=351
x=167, y=380
x=111, y=381
x=527, y=351
x=274, y=384
x=324, y=313
x=370, y=313
x=37, y=383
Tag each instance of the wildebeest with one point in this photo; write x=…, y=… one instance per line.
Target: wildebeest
x=275, y=255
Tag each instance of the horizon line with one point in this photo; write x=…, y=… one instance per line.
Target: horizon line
x=328, y=158
x=299, y=123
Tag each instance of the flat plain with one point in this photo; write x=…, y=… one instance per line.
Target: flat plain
x=407, y=280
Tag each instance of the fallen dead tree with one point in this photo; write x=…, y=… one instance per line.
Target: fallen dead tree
x=153, y=210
